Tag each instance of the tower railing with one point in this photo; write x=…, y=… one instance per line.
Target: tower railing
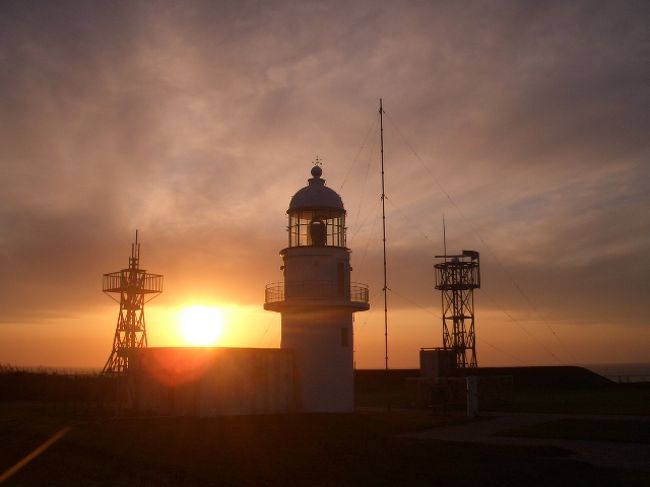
x=277, y=292
x=146, y=283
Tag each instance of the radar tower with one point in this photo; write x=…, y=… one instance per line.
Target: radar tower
x=135, y=287
x=457, y=277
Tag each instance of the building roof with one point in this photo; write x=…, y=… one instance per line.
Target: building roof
x=316, y=195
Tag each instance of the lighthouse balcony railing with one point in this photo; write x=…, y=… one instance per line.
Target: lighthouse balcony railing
x=314, y=290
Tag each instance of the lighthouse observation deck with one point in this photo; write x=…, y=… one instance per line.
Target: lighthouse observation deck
x=317, y=292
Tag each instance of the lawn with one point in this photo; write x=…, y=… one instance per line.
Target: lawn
x=620, y=399
x=617, y=430
x=309, y=449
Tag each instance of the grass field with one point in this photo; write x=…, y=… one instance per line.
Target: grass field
x=358, y=449
x=102, y=449
x=620, y=399
x=617, y=430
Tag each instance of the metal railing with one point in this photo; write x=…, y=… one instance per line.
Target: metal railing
x=138, y=280
x=313, y=290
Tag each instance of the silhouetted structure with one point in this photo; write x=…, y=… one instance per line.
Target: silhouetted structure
x=457, y=277
x=132, y=284
x=317, y=299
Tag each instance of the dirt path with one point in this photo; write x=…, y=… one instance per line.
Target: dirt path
x=631, y=456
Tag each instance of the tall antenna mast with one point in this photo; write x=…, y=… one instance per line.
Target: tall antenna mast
x=383, y=219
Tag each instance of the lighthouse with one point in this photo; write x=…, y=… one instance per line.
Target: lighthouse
x=317, y=299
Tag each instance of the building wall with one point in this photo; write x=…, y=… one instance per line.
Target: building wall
x=436, y=363
x=214, y=381
x=311, y=264
x=317, y=326
x=322, y=343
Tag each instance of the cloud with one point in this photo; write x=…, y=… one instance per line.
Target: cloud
x=196, y=123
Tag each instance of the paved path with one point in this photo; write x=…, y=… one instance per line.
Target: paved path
x=602, y=453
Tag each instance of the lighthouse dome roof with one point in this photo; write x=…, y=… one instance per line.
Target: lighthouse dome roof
x=316, y=195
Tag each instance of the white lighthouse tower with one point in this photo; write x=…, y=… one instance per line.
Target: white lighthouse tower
x=317, y=299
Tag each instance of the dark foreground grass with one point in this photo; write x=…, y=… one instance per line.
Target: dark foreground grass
x=618, y=430
x=359, y=449
x=621, y=399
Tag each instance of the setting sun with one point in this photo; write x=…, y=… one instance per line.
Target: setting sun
x=201, y=325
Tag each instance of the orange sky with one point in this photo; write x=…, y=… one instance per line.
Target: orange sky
x=525, y=124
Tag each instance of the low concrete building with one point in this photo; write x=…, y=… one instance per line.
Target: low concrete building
x=213, y=381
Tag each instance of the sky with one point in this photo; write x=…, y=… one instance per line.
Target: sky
x=524, y=123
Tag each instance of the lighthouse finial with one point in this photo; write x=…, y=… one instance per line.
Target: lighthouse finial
x=316, y=171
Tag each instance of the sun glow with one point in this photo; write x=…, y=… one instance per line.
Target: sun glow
x=201, y=325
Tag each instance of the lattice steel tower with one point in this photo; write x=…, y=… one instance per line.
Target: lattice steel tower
x=457, y=277
x=135, y=287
